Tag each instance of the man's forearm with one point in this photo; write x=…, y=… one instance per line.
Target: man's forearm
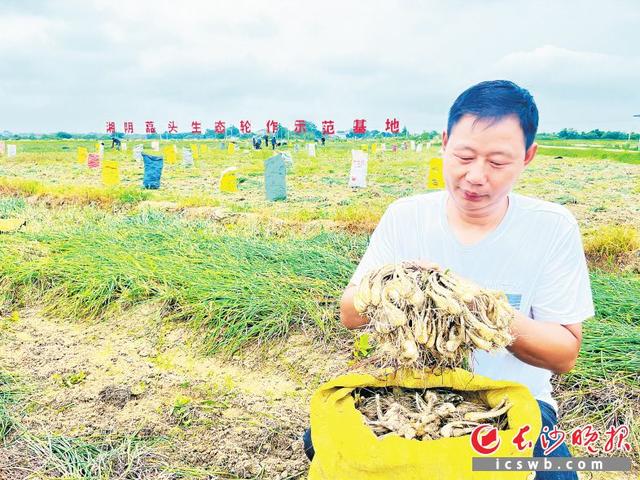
x=543, y=344
x=348, y=314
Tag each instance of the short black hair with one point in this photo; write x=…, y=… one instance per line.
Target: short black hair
x=493, y=100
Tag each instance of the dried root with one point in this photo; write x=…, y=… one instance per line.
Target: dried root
x=428, y=318
x=426, y=415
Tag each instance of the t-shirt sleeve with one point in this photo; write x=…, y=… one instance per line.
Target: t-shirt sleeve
x=381, y=248
x=563, y=294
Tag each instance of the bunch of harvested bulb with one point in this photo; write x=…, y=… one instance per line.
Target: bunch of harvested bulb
x=425, y=317
x=426, y=415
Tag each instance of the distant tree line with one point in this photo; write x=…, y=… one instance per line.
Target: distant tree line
x=312, y=132
x=597, y=134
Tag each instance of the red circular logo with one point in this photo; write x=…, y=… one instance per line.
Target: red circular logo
x=485, y=439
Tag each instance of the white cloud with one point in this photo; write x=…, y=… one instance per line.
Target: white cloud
x=599, y=89
x=25, y=33
x=73, y=65
x=561, y=66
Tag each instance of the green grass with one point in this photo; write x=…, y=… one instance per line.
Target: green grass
x=591, y=153
x=604, y=387
x=75, y=193
x=11, y=206
x=616, y=297
x=231, y=287
x=609, y=241
x=8, y=393
x=609, y=349
x=600, y=143
x=611, y=340
x=75, y=458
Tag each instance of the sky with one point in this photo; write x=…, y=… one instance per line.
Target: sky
x=74, y=65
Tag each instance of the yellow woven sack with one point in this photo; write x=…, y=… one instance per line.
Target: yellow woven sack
x=8, y=225
x=346, y=448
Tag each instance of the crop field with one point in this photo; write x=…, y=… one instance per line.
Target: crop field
x=180, y=333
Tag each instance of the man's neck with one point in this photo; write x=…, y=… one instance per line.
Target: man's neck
x=484, y=221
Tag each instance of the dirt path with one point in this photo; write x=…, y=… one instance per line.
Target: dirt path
x=128, y=376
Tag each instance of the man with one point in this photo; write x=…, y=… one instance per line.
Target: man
x=528, y=248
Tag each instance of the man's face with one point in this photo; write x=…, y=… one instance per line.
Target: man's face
x=483, y=161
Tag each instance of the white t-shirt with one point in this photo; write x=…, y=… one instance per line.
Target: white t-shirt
x=534, y=255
